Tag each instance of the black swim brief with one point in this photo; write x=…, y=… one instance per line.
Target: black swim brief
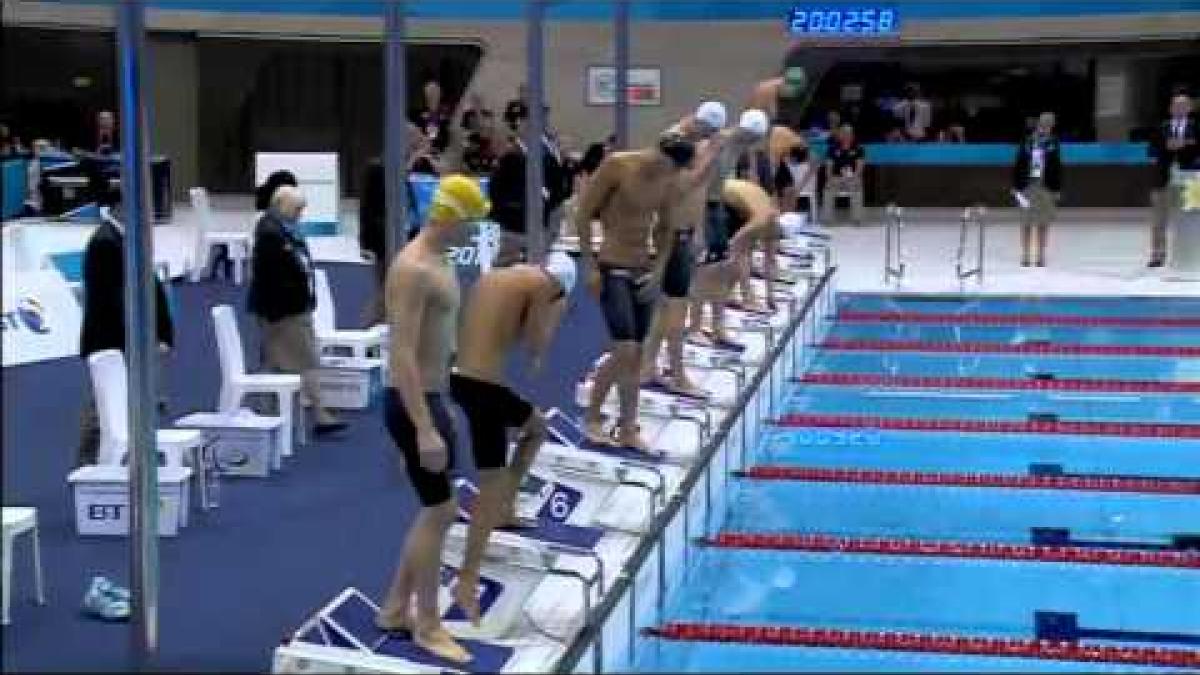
x=432, y=488
x=677, y=279
x=625, y=311
x=491, y=410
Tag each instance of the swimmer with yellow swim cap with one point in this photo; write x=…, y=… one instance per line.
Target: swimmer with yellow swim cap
x=421, y=297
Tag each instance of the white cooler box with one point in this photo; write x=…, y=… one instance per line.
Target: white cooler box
x=244, y=444
x=102, y=499
x=349, y=383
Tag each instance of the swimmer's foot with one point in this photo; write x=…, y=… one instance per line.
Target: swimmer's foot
x=394, y=624
x=439, y=642
x=630, y=439
x=593, y=431
x=466, y=596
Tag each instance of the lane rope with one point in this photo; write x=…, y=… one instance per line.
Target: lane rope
x=1055, y=650
x=1055, y=384
x=1128, y=484
x=1031, y=426
x=1048, y=320
x=817, y=543
x=1175, y=351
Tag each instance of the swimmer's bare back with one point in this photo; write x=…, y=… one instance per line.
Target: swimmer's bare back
x=422, y=287
x=492, y=320
x=624, y=194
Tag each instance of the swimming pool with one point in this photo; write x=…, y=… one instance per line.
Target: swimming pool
x=978, y=511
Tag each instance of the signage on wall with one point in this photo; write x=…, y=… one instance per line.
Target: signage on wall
x=40, y=318
x=645, y=86
x=844, y=21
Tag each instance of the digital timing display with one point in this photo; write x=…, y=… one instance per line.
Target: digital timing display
x=844, y=20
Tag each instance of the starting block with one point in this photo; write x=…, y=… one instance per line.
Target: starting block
x=341, y=637
x=244, y=444
x=674, y=425
x=572, y=564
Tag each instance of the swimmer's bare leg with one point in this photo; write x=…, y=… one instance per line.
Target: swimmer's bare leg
x=626, y=355
x=674, y=311
x=653, y=344
x=602, y=383
x=427, y=537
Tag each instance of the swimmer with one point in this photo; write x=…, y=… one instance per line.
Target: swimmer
x=421, y=302
x=522, y=303
x=625, y=193
x=751, y=217
x=713, y=265
x=687, y=205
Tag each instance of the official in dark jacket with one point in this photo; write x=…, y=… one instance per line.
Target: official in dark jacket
x=1037, y=182
x=1176, y=143
x=103, y=324
x=283, y=297
x=506, y=190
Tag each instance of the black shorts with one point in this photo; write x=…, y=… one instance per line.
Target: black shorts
x=491, y=410
x=432, y=488
x=716, y=232
x=677, y=280
x=627, y=315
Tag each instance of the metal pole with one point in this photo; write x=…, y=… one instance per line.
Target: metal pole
x=395, y=130
x=621, y=64
x=535, y=130
x=141, y=344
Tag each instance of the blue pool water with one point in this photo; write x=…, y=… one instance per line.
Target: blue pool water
x=949, y=595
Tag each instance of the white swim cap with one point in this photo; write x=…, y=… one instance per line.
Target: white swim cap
x=561, y=267
x=712, y=114
x=754, y=121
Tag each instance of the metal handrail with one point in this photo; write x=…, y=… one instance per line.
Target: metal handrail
x=972, y=215
x=594, y=626
x=893, y=263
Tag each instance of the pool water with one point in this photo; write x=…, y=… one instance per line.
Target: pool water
x=952, y=594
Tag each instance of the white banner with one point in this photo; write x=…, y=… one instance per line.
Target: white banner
x=41, y=316
x=317, y=174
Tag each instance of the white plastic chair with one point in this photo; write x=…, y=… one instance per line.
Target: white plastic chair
x=19, y=520
x=236, y=383
x=809, y=193
x=110, y=387
x=359, y=342
x=206, y=238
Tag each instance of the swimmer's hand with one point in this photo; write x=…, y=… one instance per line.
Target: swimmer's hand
x=432, y=449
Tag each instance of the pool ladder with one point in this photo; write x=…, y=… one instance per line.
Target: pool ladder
x=972, y=221
x=893, y=264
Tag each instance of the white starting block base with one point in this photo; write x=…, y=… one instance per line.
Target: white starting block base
x=349, y=383
x=101, y=495
x=244, y=444
x=611, y=499
x=678, y=440
x=341, y=638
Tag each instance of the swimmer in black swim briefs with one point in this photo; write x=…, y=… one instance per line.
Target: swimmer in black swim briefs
x=491, y=410
x=433, y=488
x=627, y=310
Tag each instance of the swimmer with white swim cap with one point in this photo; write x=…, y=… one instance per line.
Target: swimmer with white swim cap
x=508, y=306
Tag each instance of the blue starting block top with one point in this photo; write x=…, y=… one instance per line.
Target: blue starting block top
x=546, y=531
x=573, y=434
x=357, y=618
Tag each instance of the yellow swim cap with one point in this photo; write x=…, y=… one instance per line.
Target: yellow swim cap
x=458, y=196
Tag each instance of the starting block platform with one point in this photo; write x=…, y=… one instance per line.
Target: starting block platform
x=341, y=637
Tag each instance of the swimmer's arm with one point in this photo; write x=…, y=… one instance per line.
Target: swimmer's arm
x=407, y=289
x=703, y=162
x=664, y=229
x=603, y=183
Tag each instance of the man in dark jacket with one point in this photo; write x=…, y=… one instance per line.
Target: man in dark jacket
x=506, y=190
x=103, y=324
x=1037, y=184
x=1175, y=143
x=283, y=296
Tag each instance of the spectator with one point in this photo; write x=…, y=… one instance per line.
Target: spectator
x=107, y=142
x=843, y=175
x=103, y=325
x=517, y=109
x=264, y=192
x=1173, y=145
x=506, y=190
x=33, y=179
x=480, y=154
x=7, y=146
x=914, y=113
x=282, y=296
x=1037, y=183
x=472, y=115
x=433, y=118
x=955, y=133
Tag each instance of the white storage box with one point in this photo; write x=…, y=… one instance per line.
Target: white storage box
x=102, y=499
x=349, y=383
x=244, y=444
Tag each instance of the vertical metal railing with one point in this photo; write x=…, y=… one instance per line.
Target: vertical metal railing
x=893, y=254
x=734, y=430
x=535, y=130
x=972, y=221
x=621, y=66
x=395, y=132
